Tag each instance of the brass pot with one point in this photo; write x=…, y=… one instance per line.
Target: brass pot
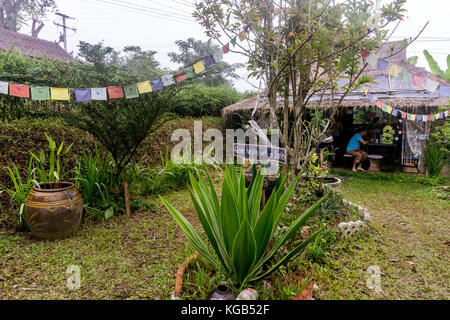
x=54, y=213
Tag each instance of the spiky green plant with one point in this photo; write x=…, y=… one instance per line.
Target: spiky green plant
x=239, y=233
x=434, y=160
x=20, y=190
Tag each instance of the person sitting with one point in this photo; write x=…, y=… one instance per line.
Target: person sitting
x=354, y=149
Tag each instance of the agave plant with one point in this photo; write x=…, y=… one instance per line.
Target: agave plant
x=238, y=232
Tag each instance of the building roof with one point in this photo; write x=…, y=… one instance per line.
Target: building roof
x=392, y=91
x=33, y=47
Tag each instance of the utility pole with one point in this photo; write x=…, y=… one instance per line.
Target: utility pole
x=65, y=27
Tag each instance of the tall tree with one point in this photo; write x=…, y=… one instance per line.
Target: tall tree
x=141, y=63
x=191, y=51
x=14, y=13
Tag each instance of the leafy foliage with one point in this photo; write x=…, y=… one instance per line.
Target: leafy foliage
x=197, y=100
x=434, y=160
x=239, y=233
x=14, y=13
x=434, y=67
x=53, y=170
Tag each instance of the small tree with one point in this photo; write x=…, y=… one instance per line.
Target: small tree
x=300, y=49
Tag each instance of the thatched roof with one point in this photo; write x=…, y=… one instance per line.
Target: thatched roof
x=392, y=91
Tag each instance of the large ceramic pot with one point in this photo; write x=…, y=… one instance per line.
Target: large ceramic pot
x=332, y=182
x=54, y=213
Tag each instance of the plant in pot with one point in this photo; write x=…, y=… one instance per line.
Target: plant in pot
x=53, y=207
x=241, y=236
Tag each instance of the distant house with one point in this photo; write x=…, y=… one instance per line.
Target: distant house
x=32, y=47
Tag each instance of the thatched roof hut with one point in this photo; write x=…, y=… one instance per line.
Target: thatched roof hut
x=392, y=91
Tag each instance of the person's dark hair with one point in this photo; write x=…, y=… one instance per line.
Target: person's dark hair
x=362, y=129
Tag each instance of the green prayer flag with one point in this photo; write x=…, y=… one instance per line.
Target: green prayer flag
x=131, y=91
x=40, y=93
x=189, y=72
x=406, y=75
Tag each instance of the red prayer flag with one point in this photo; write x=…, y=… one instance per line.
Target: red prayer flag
x=418, y=80
x=182, y=78
x=365, y=53
x=19, y=90
x=226, y=48
x=115, y=92
x=429, y=117
x=379, y=104
x=404, y=115
x=178, y=72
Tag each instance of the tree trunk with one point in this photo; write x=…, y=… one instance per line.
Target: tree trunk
x=127, y=197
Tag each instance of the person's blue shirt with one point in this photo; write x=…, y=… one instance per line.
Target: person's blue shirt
x=354, y=143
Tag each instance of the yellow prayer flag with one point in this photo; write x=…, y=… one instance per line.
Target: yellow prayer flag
x=437, y=116
x=144, y=87
x=242, y=36
x=395, y=70
x=413, y=117
x=60, y=94
x=389, y=109
x=199, y=67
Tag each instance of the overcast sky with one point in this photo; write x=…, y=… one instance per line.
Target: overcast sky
x=156, y=24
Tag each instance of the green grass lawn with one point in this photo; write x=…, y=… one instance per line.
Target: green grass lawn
x=137, y=257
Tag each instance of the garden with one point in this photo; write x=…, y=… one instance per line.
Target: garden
x=98, y=200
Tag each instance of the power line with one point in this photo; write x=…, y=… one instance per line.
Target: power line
x=163, y=17
x=149, y=9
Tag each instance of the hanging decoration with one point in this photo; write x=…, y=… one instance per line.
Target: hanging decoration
x=42, y=93
x=411, y=116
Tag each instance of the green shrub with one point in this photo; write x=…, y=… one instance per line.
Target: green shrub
x=434, y=160
x=198, y=100
x=237, y=230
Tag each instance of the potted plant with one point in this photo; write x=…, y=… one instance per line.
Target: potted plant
x=388, y=135
x=53, y=208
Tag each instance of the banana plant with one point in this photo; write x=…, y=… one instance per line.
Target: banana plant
x=434, y=66
x=238, y=232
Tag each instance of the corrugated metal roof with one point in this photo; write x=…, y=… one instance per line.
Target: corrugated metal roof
x=33, y=47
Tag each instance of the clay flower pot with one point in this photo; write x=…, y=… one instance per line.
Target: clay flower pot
x=54, y=213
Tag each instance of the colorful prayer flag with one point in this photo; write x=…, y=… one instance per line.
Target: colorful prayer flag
x=433, y=117
x=365, y=53
x=131, y=91
x=431, y=85
x=382, y=64
x=437, y=116
x=199, y=67
x=19, y=90
x=413, y=117
x=167, y=80
x=429, y=117
x=226, y=48
x=181, y=78
x=404, y=114
x=4, y=86
x=83, y=95
x=98, y=94
x=418, y=80
x=394, y=112
x=419, y=117
x=409, y=116
x=157, y=84
x=424, y=118
x=40, y=93
x=189, y=72
x=384, y=107
x=246, y=28
x=60, y=94
x=406, y=75
x=144, y=87
x=209, y=61
x=242, y=36
x=389, y=109
x=233, y=41
x=372, y=59
x=115, y=92
x=380, y=104
x=395, y=70
x=444, y=90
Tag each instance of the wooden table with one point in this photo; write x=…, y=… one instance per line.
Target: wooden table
x=388, y=151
